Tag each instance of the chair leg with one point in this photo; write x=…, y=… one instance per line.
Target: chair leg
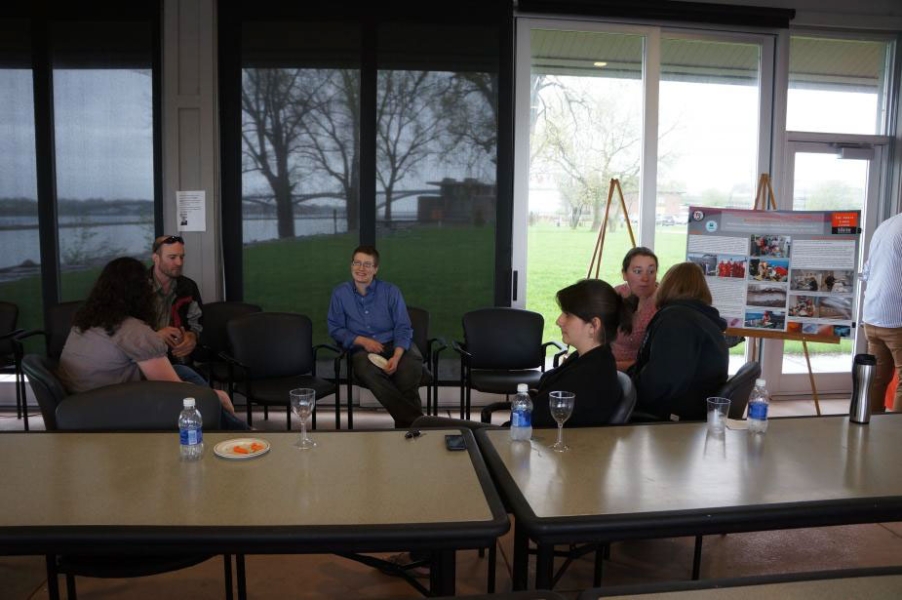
x=250, y=413
x=53, y=584
x=70, y=587
x=350, y=394
x=312, y=417
x=287, y=416
x=266, y=412
x=242, y=580
x=21, y=391
x=697, y=558
x=227, y=575
x=490, y=577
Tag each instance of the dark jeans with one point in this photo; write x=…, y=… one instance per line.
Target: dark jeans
x=227, y=421
x=398, y=392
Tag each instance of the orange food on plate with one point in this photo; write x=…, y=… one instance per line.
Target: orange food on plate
x=255, y=447
x=240, y=450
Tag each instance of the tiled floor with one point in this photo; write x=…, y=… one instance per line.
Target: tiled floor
x=325, y=576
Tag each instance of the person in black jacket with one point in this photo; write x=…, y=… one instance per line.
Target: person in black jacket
x=684, y=357
x=591, y=314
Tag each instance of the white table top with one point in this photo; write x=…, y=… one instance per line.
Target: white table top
x=650, y=469
x=352, y=481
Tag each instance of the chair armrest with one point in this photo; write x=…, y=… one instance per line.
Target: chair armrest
x=486, y=415
x=461, y=348
x=557, y=357
x=339, y=353
x=21, y=334
x=644, y=417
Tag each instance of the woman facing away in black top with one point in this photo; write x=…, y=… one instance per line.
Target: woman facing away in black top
x=591, y=314
x=684, y=357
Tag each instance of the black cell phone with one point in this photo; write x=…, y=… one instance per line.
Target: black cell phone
x=455, y=442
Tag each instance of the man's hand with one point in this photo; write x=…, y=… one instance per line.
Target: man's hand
x=187, y=345
x=368, y=344
x=171, y=335
x=392, y=365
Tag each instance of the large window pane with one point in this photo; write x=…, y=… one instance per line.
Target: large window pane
x=708, y=135
x=585, y=129
x=103, y=119
x=20, y=254
x=837, y=85
x=300, y=159
x=436, y=144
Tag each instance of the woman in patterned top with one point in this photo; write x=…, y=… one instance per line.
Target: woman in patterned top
x=640, y=272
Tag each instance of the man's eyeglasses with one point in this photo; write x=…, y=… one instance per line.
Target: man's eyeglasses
x=171, y=239
x=366, y=265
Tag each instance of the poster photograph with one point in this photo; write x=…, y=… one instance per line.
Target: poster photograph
x=789, y=271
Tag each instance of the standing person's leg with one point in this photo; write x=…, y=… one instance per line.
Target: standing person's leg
x=382, y=386
x=892, y=337
x=883, y=372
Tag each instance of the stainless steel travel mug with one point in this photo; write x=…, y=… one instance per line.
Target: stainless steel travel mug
x=862, y=373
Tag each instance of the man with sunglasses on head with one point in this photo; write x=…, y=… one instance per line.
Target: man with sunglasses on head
x=368, y=317
x=178, y=303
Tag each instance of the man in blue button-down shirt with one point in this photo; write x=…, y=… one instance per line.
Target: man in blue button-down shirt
x=368, y=316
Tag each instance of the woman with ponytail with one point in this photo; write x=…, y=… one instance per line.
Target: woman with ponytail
x=591, y=315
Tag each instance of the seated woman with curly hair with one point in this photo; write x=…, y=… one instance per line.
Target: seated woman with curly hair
x=111, y=342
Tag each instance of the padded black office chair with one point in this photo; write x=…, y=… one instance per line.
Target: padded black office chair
x=627, y=403
x=428, y=347
x=137, y=406
x=56, y=332
x=502, y=347
x=47, y=388
x=214, y=339
x=10, y=354
x=273, y=353
x=738, y=388
x=133, y=406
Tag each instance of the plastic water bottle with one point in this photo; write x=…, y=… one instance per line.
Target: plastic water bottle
x=521, y=414
x=759, y=402
x=191, y=431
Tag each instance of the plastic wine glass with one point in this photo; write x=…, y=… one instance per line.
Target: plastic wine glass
x=302, y=402
x=561, y=405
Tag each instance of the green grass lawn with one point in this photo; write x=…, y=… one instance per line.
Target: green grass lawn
x=445, y=270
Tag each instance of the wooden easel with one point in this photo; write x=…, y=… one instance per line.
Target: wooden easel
x=765, y=200
x=599, y=242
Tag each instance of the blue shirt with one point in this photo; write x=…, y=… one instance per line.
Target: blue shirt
x=381, y=315
x=883, y=297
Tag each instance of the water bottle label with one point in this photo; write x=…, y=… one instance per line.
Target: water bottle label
x=758, y=410
x=191, y=437
x=521, y=418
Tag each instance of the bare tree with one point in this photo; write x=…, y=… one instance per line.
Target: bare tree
x=587, y=138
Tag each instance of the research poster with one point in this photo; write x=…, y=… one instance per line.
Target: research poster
x=790, y=271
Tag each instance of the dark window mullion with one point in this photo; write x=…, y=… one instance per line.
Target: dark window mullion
x=368, y=99
x=230, y=131
x=45, y=151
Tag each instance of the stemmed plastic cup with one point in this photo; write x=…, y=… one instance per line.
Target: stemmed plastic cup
x=561, y=405
x=302, y=403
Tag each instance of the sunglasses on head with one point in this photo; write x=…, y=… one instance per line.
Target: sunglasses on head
x=171, y=239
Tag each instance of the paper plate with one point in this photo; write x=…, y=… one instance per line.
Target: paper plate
x=241, y=448
x=378, y=360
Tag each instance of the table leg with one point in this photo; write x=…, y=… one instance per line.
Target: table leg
x=442, y=574
x=520, y=571
x=544, y=566
x=53, y=584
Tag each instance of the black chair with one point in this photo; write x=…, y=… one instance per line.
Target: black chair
x=133, y=406
x=624, y=410
x=55, y=333
x=214, y=340
x=47, y=388
x=10, y=354
x=738, y=388
x=502, y=347
x=429, y=347
x=273, y=353
x=136, y=406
